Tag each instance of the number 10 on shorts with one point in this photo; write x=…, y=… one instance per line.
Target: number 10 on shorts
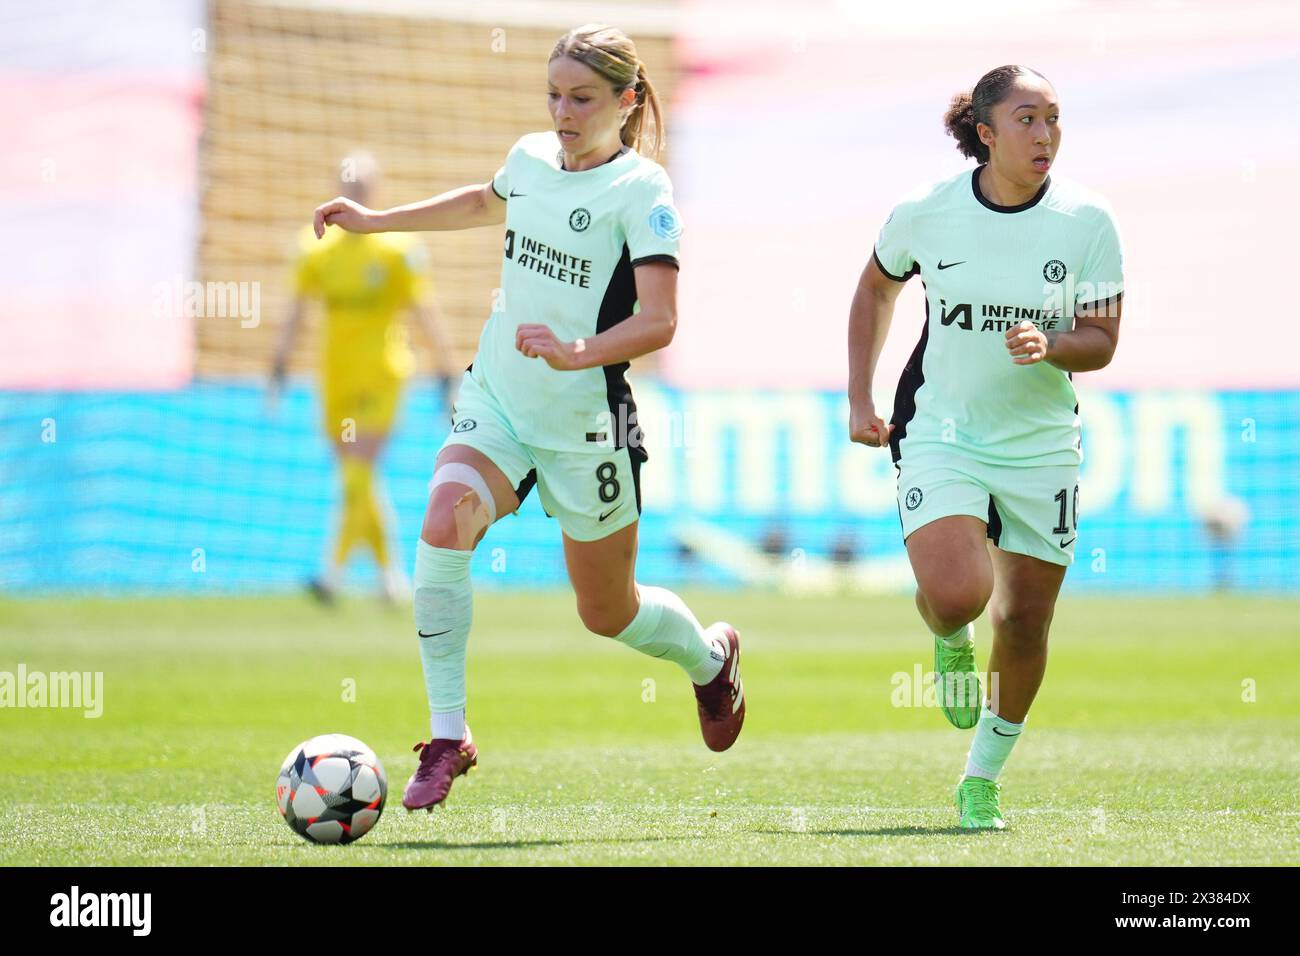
x=1064, y=500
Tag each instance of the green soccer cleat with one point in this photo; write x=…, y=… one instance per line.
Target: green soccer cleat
x=977, y=804
x=957, y=685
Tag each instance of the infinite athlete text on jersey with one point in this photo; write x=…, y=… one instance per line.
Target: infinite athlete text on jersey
x=960, y=315
x=549, y=261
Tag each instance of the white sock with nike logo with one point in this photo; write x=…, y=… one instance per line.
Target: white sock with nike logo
x=958, y=638
x=444, y=607
x=994, y=738
x=664, y=627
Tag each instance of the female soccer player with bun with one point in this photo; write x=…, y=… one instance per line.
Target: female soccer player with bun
x=591, y=230
x=1023, y=280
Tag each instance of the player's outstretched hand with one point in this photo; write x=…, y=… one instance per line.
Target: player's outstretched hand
x=1027, y=343
x=345, y=214
x=866, y=427
x=538, y=341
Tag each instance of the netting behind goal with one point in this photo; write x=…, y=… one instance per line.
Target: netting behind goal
x=438, y=93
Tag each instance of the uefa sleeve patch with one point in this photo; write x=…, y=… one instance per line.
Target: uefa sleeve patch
x=665, y=223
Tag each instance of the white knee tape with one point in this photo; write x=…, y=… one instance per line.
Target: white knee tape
x=462, y=474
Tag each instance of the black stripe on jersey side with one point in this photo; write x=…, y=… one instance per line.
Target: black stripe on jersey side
x=615, y=307
x=994, y=533
x=898, y=474
x=909, y=382
x=525, y=486
x=493, y=183
x=989, y=204
x=1070, y=376
x=661, y=257
x=915, y=270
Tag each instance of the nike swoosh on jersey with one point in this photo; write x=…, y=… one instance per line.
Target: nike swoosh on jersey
x=1066, y=544
x=612, y=510
x=949, y=265
x=515, y=195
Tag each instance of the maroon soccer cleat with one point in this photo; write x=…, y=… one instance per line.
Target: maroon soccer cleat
x=721, y=702
x=441, y=762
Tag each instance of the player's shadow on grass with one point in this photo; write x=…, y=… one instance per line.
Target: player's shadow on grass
x=879, y=831
x=519, y=844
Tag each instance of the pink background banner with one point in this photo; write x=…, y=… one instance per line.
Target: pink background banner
x=799, y=127
x=101, y=106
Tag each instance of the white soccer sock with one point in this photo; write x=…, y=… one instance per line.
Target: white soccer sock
x=959, y=637
x=994, y=738
x=444, y=606
x=665, y=627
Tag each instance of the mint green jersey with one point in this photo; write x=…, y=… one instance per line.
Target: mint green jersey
x=986, y=268
x=572, y=241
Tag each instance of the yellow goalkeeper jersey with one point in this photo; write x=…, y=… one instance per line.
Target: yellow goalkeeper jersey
x=364, y=282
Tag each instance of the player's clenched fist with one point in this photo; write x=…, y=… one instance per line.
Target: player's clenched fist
x=866, y=427
x=345, y=214
x=1027, y=343
x=538, y=341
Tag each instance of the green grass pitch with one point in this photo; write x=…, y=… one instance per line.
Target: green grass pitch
x=1140, y=749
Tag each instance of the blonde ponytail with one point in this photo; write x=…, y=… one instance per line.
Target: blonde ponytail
x=611, y=54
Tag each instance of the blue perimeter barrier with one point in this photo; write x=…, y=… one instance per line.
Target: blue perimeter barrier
x=201, y=490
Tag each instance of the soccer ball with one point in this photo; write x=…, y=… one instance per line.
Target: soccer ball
x=331, y=789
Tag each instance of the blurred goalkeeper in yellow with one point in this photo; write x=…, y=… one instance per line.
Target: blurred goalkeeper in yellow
x=365, y=283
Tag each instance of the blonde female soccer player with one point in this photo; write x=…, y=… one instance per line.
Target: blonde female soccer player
x=365, y=284
x=1023, y=282
x=591, y=231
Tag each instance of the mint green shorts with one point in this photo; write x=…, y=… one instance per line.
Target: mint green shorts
x=1030, y=509
x=593, y=492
